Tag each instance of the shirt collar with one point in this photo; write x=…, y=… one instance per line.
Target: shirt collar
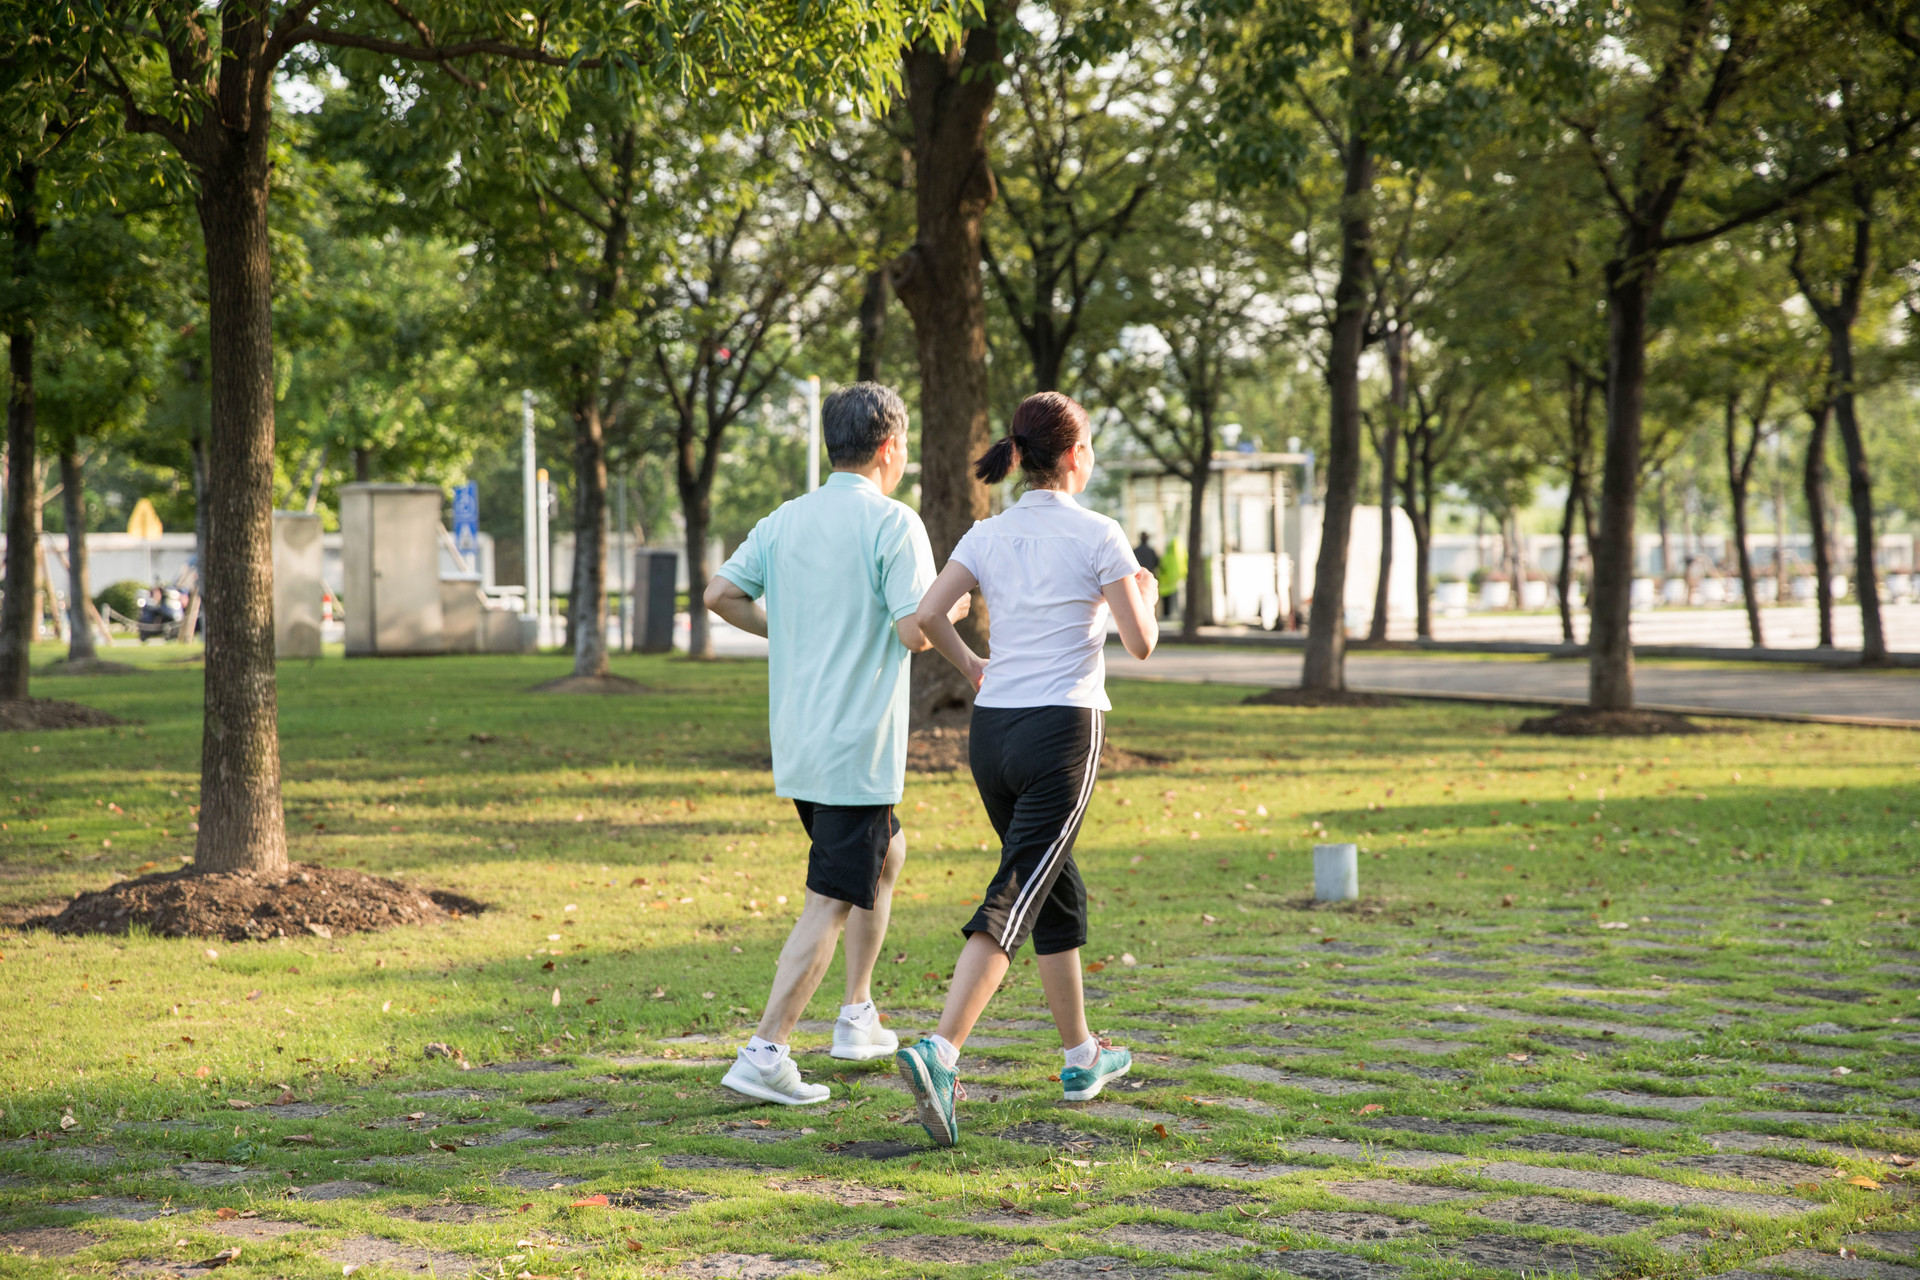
x=1044, y=497
x=848, y=480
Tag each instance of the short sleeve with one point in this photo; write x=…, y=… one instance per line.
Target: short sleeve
x=746, y=568
x=1112, y=557
x=966, y=553
x=906, y=570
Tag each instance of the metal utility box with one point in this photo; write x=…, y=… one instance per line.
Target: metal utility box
x=297, y=586
x=653, y=591
x=460, y=608
x=390, y=562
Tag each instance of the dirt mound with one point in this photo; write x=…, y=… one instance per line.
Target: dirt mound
x=88, y=667
x=1583, y=722
x=1319, y=698
x=28, y=715
x=618, y=686
x=944, y=750
x=321, y=901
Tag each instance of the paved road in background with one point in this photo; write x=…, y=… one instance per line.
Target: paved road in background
x=1887, y=698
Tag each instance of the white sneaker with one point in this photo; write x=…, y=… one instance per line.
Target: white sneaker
x=782, y=1085
x=856, y=1043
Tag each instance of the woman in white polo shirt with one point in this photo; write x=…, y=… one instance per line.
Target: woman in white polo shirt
x=1051, y=571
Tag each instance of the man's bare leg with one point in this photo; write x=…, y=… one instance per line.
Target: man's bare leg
x=803, y=963
x=1060, y=979
x=976, y=976
x=867, y=930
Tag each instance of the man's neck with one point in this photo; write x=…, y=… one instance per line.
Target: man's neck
x=869, y=473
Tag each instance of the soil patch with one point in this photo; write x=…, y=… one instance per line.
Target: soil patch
x=748, y=1266
x=942, y=749
x=1350, y=1226
x=1319, y=698
x=1517, y=1253
x=33, y=715
x=656, y=1200
x=1158, y=1237
x=87, y=667
x=361, y=1251
x=876, y=1149
x=124, y=1208
x=251, y=1228
x=1546, y=1211
x=849, y=1194
x=1187, y=1197
x=954, y=1250
x=455, y=1213
x=1387, y=1191
x=1564, y=1144
x=535, y=1180
x=339, y=1189
x=608, y=685
x=1584, y=722
x=308, y=900
x=1100, y=1267
x=1044, y=1133
x=46, y=1242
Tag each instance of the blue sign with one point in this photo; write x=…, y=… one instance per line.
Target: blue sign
x=466, y=519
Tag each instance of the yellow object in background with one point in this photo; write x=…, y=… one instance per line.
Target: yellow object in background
x=145, y=521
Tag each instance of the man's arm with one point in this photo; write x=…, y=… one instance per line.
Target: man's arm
x=735, y=607
x=915, y=639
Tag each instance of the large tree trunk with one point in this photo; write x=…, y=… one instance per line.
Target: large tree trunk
x=1199, y=580
x=587, y=610
x=242, y=827
x=1866, y=578
x=1579, y=417
x=1815, y=487
x=1739, y=470
x=1389, y=444
x=950, y=96
x=1325, y=666
x=1609, y=638
x=73, y=509
x=1411, y=488
x=696, y=506
x=19, y=614
x=873, y=324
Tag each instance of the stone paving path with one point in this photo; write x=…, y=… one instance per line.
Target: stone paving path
x=1875, y=697
x=1337, y=1097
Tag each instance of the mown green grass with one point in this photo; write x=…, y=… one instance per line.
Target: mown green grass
x=552, y=809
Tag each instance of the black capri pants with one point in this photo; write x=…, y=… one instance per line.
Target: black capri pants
x=1035, y=767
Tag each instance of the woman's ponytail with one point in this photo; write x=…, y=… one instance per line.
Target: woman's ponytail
x=1045, y=428
x=992, y=466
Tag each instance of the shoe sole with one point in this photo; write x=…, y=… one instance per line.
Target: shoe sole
x=765, y=1094
x=925, y=1103
x=864, y=1052
x=1083, y=1095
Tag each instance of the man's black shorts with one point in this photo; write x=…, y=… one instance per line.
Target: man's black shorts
x=849, y=847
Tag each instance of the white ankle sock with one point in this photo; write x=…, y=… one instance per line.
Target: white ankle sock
x=1084, y=1055
x=860, y=1015
x=949, y=1056
x=764, y=1054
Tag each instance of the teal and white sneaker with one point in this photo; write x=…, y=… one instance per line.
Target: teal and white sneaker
x=1082, y=1083
x=934, y=1087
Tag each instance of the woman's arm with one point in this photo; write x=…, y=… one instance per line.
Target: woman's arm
x=1131, y=599
x=935, y=619
x=908, y=627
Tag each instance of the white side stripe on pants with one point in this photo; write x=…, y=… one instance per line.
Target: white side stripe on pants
x=1028, y=899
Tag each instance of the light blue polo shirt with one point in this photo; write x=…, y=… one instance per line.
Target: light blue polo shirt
x=837, y=569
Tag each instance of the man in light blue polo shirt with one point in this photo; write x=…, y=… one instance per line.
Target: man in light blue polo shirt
x=841, y=572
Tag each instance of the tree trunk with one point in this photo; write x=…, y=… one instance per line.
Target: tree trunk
x=1564, y=580
x=950, y=97
x=873, y=324
x=1389, y=444
x=587, y=610
x=1410, y=491
x=1738, y=473
x=1866, y=577
x=1199, y=580
x=1609, y=638
x=1325, y=668
x=241, y=823
x=19, y=614
x=362, y=464
x=73, y=509
x=1579, y=411
x=696, y=505
x=1666, y=534
x=1815, y=484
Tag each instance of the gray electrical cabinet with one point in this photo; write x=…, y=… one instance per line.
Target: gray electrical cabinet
x=297, y=586
x=390, y=561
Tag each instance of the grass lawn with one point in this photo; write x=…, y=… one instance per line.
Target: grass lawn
x=1591, y=1013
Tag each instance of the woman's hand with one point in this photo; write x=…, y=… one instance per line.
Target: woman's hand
x=975, y=670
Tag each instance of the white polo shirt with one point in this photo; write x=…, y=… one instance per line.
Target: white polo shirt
x=1041, y=564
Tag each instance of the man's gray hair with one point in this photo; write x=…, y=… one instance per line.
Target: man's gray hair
x=857, y=420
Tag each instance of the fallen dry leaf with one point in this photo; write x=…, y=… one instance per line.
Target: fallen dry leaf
x=1370, y=1107
x=1160, y=1131
x=591, y=1202
x=221, y=1258
x=1868, y=1183
x=239, y=1104
x=223, y=1213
